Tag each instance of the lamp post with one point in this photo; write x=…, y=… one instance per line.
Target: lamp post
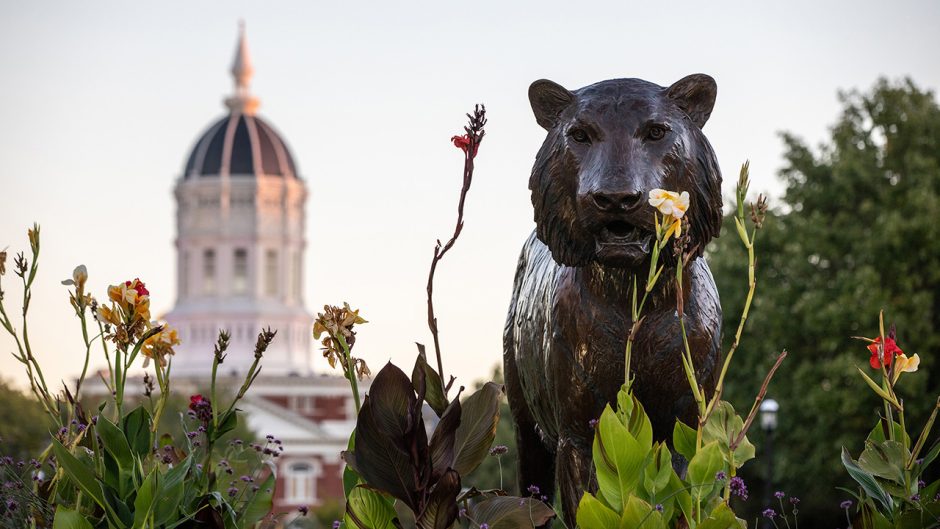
x=768, y=423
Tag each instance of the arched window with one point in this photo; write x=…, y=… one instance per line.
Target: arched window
x=301, y=483
x=296, y=281
x=240, y=271
x=270, y=273
x=184, y=274
x=208, y=271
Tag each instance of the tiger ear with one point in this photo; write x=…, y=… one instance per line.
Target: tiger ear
x=695, y=95
x=548, y=99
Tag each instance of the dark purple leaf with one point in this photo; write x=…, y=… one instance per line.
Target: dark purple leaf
x=391, y=444
x=434, y=394
x=511, y=512
x=478, y=419
x=442, y=441
x=441, y=510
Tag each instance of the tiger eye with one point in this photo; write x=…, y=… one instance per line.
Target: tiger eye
x=579, y=135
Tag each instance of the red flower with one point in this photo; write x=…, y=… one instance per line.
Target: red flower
x=463, y=143
x=196, y=401
x=138, y=285
x=891, y=350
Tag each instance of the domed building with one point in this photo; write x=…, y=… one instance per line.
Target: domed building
x=241, y=212
x=240, y=242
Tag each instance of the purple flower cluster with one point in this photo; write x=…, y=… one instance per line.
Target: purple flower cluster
x=17, y=501
x=738, y=488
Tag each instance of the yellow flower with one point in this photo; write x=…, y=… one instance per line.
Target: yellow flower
x=673, y=206
x=160, y=344
x=79, y=277
x=106, y=315
x=670, y=203
x=903, y=364
x=33, y=235
x=338, y=323
x=335, y=321
x=122, y=293
x=142, y=308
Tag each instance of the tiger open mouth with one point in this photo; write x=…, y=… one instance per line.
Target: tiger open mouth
x=620, y=242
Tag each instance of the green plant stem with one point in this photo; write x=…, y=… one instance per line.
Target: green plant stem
x=27, y=297
x=350, y=375
x=163, y=380
x=889, y=415
x=499, y=461
x=690, y=370
x=651, y=279
x=212, y=402
x=253, y=371
x=81, y=315
x=118, y=385
x=637, y=320
x=107, y=356
x=128, y=362
x=687, y=362
x=905, y=440
x=752, y=287
x=21, y=357
x=923, y=436
x=782, y=513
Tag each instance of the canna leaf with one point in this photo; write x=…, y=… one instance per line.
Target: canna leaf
x=478, y=419
x=593, y=514
x=511, y=512
x=69, y=519
x=867, y=482
x=441, y=509
x=367, y=509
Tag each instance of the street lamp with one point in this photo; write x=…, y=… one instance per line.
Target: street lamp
x=768, y=423
x=768, y=415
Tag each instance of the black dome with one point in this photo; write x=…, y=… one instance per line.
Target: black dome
x=240, y=145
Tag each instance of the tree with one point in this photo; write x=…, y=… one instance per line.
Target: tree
x=858, y=231
x=24, y=427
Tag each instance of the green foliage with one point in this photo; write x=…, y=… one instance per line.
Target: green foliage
x=69, y=519
x=366, y=509
x=114, y=468
x=173, y=428
x=637, y=484
x=856, y=232
x=134, y=490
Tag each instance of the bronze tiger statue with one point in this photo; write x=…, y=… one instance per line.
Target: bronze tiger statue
x=608, y=145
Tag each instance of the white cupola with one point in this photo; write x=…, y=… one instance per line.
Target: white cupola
x=240, y=242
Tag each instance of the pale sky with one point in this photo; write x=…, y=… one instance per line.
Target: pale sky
x=102, y=102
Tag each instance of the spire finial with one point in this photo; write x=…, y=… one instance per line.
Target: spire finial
x=242, y=71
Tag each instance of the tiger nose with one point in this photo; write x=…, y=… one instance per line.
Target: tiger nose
x=610, y=201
